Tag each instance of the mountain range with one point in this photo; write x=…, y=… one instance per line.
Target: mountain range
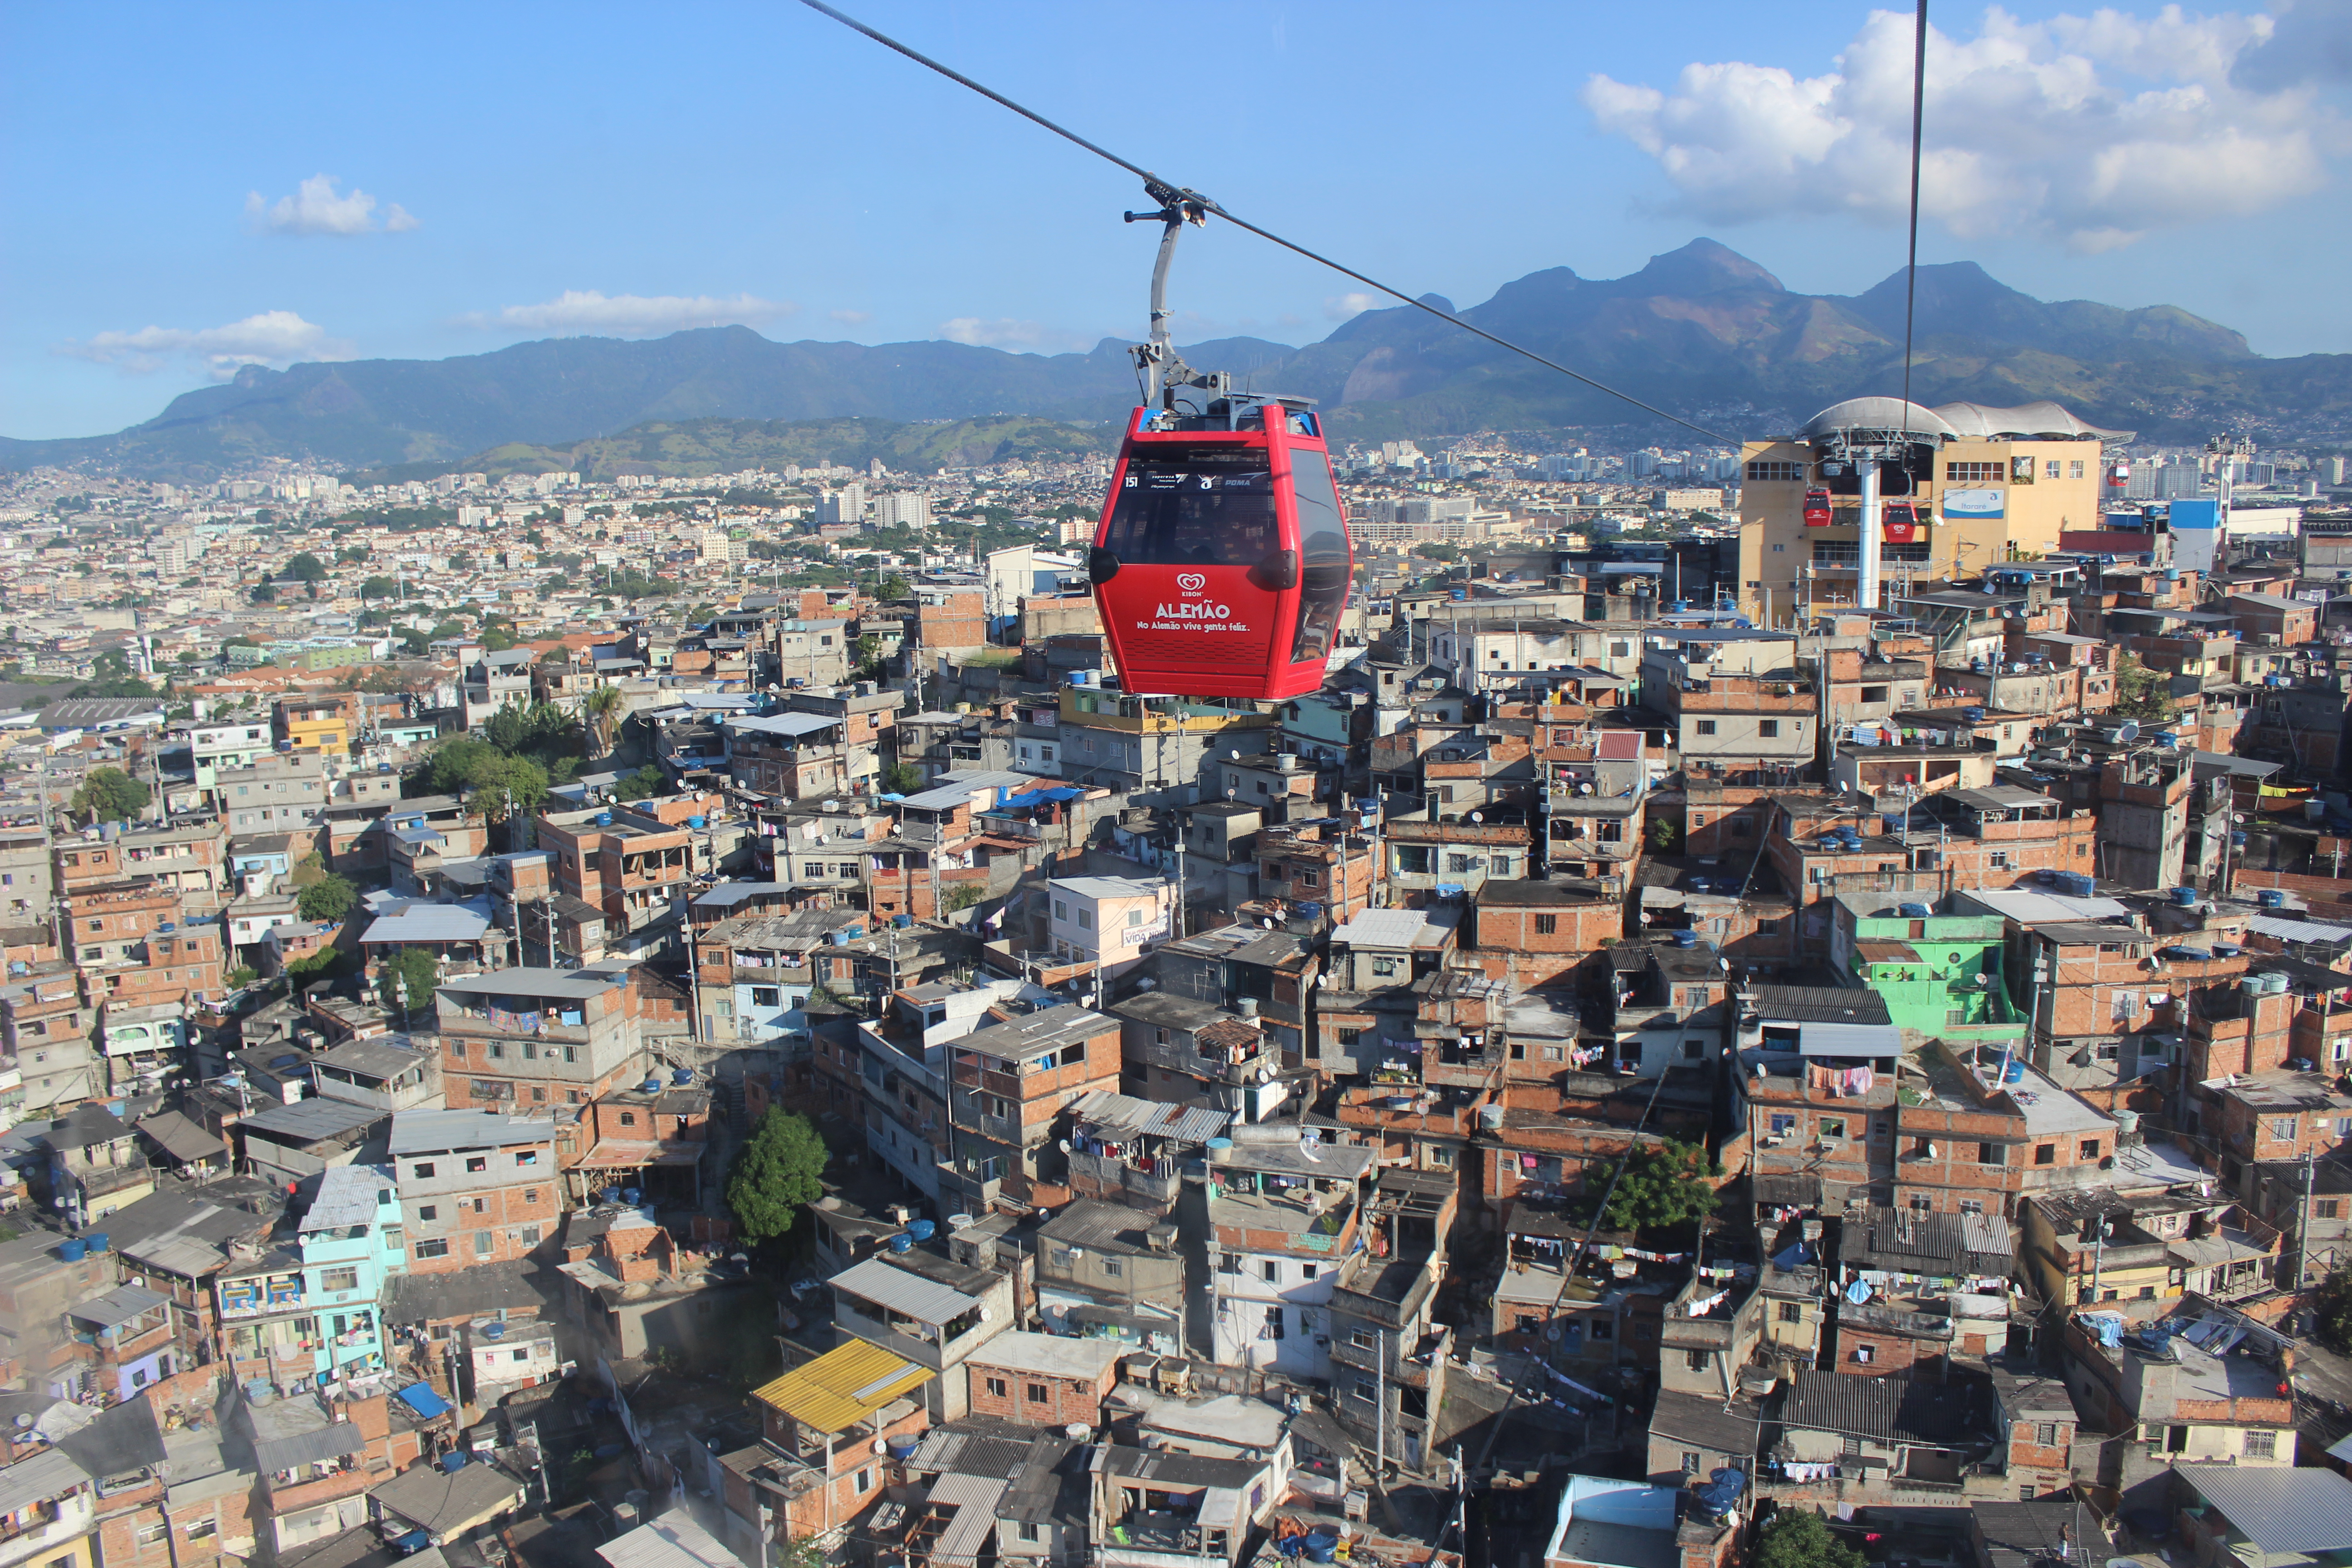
x=1702, y=332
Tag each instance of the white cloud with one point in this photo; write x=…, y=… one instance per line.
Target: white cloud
x=850, y=317
x=1004, y=333
x=317, y=208
x=273, y=337
x=1339, y=307
x=585, y=310
x=2094, y=129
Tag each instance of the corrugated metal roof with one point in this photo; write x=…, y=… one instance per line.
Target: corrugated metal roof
x=902, y=1291
x=576, y=984
x=428, y=923
x=307, y=1121
x=844, y=1386
x=781, y=723
x=1849, y=1039
x=119, y=1305
x=1820, y=1004
x=2300, y=1508
x=2299, y=931
x=349, y=1195
x=293, y=1450
x=419, y=1132
x=39, y=1478
x=673, y=1541
x=975, y=1525
x=1890, y=1409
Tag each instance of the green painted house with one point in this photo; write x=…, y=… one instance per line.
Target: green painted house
x=1940, y=972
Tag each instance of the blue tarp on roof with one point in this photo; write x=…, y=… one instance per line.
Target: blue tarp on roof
x=1036, y=797
x=420, y=1397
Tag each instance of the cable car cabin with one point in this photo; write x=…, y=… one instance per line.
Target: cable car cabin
x=1901, y=521
x=1222, y=563
x=1817, y=509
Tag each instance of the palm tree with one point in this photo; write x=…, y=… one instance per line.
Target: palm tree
x=602, y=707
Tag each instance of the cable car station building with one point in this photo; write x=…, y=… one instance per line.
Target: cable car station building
x=1983, y=486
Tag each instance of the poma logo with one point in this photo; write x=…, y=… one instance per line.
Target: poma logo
x=1191, y=582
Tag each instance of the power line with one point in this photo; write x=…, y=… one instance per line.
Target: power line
x=1168, y=192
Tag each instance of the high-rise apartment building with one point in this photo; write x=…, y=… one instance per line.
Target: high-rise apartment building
x=902, y=508
x=846, y=504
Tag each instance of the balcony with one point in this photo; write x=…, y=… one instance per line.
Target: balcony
x=1126, y=1175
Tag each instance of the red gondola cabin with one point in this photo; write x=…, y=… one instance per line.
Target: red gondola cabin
x=1817, y=509
x=1901, y=521
x=1222, y=561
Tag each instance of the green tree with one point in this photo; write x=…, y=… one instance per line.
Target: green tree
x=601, y=709
x=1799, y=1538
x=110, y=795
x=902, y=778
x=2143, y=693
x=265, y=592
x=417, y=972
x=306, y=568
x=330, y=897
x=460, y=559
x=350, y=555
x=775, y=1175
x=380, y=587
x=1663, y=833
x=643, y=784
x=1664, y=1184
x=891, y=588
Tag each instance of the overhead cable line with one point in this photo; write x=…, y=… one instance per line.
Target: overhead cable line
x=1911, y=269
x=1166, y=192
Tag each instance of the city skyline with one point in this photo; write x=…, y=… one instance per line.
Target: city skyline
x=353, y=233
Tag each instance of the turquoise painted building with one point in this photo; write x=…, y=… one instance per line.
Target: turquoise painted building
x=1939, y=972
x=350, y=1245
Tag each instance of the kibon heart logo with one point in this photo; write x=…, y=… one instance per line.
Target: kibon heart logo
x=1191, y=582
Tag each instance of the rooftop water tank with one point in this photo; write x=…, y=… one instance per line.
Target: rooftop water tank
x=72, y=1248
x=2186, y=898
x=1973, y=715
x=603, y=819
x=2269, y=899
x=696, y=822
x=494, y=1331
x=630, y=1195
x=651, y=1085
x=97, y=1242
x=1490, y=1119
x=1685, y=939
x=681, y=1075
x=902, y=1242
x=922, y=1229
x=2126, y=1122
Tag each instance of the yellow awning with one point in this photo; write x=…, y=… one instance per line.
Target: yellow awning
x=842, y=1387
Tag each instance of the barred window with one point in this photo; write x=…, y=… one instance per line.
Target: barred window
x=1781, y=472
x=1975, y=473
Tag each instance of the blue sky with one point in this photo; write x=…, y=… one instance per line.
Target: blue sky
x=503, y=173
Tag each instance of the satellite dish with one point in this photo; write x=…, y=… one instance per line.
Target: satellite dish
x=1065, y=1145
x=1478, y=816
x=880, y=1446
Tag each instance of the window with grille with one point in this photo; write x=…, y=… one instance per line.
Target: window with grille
x=2046, y=1434
x=1975, y=473
x=2262, y=1445
x=1773, y=471
x=1547, y=925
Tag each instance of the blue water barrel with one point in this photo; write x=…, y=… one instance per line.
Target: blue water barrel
x=1685, y=939
x=901, y=1448
x=2016, y=1073
x=922, y=1229
x=97, y=1239
x=455, y=1460
x=696, y=822
x=2184, y=897
x=494, y=1331
x=71, y=1250
x=603, y=819
x=630, y=1195
x=651, y=1085
x=902, y=1242
x=610, y=1195
x=681, y=1075
x=902, y=921
x=2269, y=899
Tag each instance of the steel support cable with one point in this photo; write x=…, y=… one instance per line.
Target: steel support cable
x=1165, y=192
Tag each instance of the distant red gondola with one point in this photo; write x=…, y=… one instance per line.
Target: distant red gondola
x=1901, y=522
x=1817, y=509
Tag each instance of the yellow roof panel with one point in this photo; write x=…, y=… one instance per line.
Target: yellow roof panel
x=842, y=1387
